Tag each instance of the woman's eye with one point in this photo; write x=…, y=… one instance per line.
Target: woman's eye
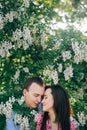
x=45, y=97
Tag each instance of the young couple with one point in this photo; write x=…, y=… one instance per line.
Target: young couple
x=55, y=102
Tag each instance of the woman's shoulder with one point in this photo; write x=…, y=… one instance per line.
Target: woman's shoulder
x=73, y=124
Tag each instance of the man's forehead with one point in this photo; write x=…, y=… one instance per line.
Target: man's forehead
x=34, y=85
x=36, y=89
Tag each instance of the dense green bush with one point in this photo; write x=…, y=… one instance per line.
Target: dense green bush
x=28, y=46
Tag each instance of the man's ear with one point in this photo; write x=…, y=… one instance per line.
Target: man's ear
x=24, y=92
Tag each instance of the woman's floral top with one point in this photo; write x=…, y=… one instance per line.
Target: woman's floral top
x=39, y=117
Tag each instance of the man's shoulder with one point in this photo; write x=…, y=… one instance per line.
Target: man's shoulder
x=10, y=125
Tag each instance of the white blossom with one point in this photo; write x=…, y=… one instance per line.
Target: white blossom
x=57, y=44
x=54, y=76
x=26, y=3
x=82, y=118
x=7, y=109
x=33, y=112
x=16, y=76
x=17, y=35
x=51, y=73
x=1, y=107
x=72, y=100
x=68, y=72
x=18, y=118
x=2, y=52
x=20, y=101
x=24, y=124
x=10, y=16
x=66, y=55
x=11, y=99
x=47, y=71
x=25, y=45
x=22, y=121
x=75, y=47
x=4, y=49
x=43, y=40
x=26, y=69
x=1, y=21
x=0, y=5
x=27, y=35
x=77, y=58
x=80, y=52
x=80, y=93
x=60, y=68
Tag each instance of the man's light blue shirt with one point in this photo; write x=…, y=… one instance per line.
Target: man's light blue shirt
x=10, y=125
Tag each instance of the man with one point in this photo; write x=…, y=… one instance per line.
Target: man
x=33, y=92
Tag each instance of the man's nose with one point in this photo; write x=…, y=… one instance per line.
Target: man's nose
x=42, y=101
x=39, y=99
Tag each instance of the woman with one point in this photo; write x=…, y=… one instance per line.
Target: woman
x=56, y=109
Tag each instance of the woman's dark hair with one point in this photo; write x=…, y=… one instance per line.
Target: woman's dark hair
x=61, y=107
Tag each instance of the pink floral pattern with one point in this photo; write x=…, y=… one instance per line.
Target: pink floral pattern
x=39, y=117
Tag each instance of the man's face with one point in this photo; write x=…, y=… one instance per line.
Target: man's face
x=33, y=95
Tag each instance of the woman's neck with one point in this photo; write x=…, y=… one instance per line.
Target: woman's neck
x=54, y=124
x=52, y=116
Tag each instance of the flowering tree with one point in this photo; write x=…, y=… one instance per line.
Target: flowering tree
x=67, y=65
x=29, y=46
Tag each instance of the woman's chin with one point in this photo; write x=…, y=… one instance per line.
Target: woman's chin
x=44, y=110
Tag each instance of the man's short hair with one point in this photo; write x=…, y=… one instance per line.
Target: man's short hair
x=31, y=80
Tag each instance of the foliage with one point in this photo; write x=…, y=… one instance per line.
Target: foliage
x=2, y=121
x=29, y=46
x=17, y=110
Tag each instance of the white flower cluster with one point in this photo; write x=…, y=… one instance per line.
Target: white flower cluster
x=26, y=3
x=66, y=55
x=17, y=74
x=57, y=44
x=82, y=118
x=17, y=35
x=60, y=67
x=19, y=119
x=51, y=74
x=22, y=121
x=1, y=21
x=80, y=52
x=26, y=69
x=12, y=14
x=54, y=76
x=7, y=107
x=8, y=17
x=15, y=78
x=72, y=100
x=22, y=38
x=33, y=112
x=4, y=49
x=21, y=100
x=68, y=72
x=43, y=40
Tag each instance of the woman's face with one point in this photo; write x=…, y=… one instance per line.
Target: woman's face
x=48, y=100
